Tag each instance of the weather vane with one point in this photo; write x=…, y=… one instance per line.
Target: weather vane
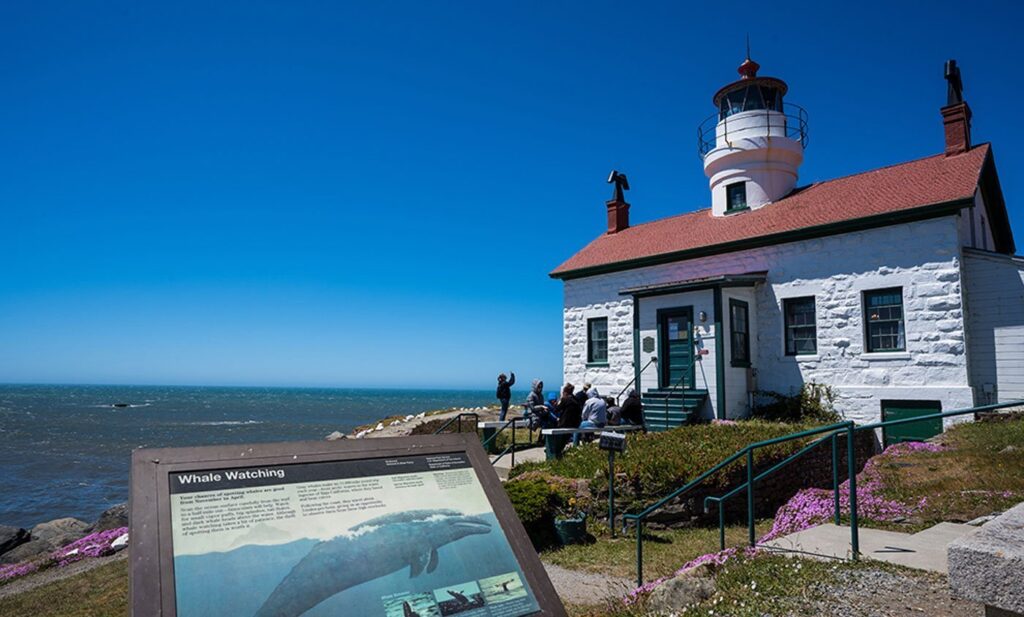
x=621, y=183
x=955, y=88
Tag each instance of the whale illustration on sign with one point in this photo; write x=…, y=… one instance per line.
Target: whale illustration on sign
x=371, y=549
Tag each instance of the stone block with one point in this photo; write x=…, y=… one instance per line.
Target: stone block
x=988, y=567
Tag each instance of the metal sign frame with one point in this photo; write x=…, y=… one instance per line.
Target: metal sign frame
x=151, y=590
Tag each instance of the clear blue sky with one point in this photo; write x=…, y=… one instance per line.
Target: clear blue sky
x=372, y=194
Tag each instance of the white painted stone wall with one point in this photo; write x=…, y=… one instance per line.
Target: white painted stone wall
x=922, y=257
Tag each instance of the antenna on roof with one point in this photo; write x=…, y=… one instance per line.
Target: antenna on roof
x=748, y=46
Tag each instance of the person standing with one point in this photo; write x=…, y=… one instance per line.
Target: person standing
x=504, y=392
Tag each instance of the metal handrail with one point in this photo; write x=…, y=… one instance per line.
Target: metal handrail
x=747, y=450
x=835, y=429
x=792, y=120
x=459, y=419
x=632, y=381
x=512, y=448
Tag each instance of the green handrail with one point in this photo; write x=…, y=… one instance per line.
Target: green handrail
x=748, y=450
x=836, y=429
x=510, y=422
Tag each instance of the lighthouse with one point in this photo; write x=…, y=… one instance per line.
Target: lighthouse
x=753, y=144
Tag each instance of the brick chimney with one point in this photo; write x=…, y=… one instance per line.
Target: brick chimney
x=956, y=115
x=956, y=119
x=618, y=215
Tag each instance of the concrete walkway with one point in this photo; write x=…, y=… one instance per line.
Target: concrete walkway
x=503, y=466
x=925, y=550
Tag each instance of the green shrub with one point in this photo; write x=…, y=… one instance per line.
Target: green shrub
x=812, y=403
x=535, y=504
x=657, y=463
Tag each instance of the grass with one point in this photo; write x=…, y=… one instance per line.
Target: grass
x=977, y=474
x=664, y=551
x=100, y=592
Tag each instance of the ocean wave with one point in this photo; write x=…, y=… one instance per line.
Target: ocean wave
x=226, y=423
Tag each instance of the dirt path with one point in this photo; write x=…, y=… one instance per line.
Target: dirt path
x=586, y=588
x=882, y=593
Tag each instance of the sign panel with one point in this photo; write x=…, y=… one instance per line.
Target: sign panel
x=396, y=532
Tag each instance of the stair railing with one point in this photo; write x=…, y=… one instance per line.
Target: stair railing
x=668, y=395
x=833, y=432
x=458, y=419
x=512, y=448
x=633, y=381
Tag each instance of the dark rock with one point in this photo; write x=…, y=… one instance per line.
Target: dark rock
x=10, y=537
x=113, y=518
x=27, y=552
x=60, y=531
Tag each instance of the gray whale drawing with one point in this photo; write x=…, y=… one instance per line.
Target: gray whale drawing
x=373, y=549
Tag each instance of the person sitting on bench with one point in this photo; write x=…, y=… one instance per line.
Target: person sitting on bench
x=595, y=414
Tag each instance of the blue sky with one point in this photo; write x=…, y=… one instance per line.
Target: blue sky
x=372, y=194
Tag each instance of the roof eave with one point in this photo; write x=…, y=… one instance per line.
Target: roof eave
x=885, y=219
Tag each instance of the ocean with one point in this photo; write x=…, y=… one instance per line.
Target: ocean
x=65, y=450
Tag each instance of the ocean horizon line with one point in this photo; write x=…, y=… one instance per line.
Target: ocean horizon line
x=243, y=386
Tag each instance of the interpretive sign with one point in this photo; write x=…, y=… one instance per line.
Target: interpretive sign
x=403, y=527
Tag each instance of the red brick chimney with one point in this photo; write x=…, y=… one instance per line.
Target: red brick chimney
x=956, y=119
x=618, y=215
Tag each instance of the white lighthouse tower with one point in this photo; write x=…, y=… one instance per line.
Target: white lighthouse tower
x=753, y=145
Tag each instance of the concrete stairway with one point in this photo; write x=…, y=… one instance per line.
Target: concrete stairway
x=925, y=550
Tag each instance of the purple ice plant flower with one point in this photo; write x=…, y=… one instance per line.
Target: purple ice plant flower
x=93, y=545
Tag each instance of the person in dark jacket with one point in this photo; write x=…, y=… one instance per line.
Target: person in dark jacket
x=569, y=409
x=581, y=396
x=504, y=392
x=632, y=411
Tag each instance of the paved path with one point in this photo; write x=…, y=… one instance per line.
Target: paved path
x=576, y=587
x=503, y=466
x=925, y=550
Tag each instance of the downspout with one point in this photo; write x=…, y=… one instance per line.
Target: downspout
x=719, y=356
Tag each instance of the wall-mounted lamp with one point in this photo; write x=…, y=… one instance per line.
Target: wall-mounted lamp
x=702, y=316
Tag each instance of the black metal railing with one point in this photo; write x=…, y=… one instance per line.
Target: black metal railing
x=458, y=420
x=633, y=381
x=791, y=123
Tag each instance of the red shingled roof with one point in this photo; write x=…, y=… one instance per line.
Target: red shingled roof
x=890, y=190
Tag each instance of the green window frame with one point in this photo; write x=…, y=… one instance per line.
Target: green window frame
x=739, y=332
x=801, y=326
x=884, y=329
x=597, y=340
x=736, y=197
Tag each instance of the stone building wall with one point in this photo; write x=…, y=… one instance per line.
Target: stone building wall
x=921, y=257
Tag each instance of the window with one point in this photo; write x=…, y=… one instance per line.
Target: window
x=883, y=320
x=736, y=196
x=597, y=340
x=801, y=328
x=739, y=325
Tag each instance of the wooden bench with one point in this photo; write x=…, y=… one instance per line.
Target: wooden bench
x=555, y=439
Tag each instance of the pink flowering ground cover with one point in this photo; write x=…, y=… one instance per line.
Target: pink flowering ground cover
x=97, y=544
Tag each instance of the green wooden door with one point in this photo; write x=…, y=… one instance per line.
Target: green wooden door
x=675, y=328
x=911, y=431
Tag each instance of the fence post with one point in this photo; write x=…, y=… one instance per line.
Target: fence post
x=513, y=444
x=851, y=459
x=750, y=495
x=611, y=491
x=835, y=477
x=639, y=552
x=721, y=525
